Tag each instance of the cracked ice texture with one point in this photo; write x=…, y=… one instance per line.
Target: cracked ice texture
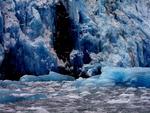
x=115, y=32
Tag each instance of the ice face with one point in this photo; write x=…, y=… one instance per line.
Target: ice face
x=119, y=32
x=26, y=36
x=114, y=33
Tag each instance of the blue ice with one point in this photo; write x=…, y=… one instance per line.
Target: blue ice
x=52, y=76
x=116, y=76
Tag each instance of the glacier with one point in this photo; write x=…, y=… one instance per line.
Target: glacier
x=88, y=56
x=37, y=37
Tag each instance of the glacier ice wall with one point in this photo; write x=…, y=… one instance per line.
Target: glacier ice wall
x=119, y=32
x=26, y=34
x=112, y=32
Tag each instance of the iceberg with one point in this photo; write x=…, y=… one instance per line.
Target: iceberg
x=116, y=76
x=5, y=99
x=138, y=77
x=11, y=96
x=52, y=76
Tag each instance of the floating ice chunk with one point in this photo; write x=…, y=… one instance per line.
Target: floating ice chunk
x=135, y=77
x=52, y=76
x=8, y=96
x=119, y=101
x=138, y=77
x=38, y=110
x=29, y=78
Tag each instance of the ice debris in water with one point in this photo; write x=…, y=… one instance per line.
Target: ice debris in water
x=134, y=77
x=8, y=96
x=52, y=76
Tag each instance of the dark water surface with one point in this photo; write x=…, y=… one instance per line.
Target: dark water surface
x=53, y=97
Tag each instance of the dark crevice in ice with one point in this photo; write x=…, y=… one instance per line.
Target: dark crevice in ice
x=66, y=39
x=8, y=68
x=64, y=42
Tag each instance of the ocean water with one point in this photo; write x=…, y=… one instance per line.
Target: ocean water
x=65, y=97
